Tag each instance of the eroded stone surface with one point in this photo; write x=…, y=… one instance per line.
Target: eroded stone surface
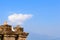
x=6, y=32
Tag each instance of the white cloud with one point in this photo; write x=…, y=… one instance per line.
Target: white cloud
x=18, y=18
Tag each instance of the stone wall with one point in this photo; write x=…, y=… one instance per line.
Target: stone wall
x=19, y=38
x=6, y=33
x=9, y=37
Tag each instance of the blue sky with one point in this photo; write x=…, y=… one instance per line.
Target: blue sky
x=45, y=20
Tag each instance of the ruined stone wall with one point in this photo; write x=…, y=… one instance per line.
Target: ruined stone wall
x=19, y=38
x=6, y=33
x=9, y=37
x=13, y=37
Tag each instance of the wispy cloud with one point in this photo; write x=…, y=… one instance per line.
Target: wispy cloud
x=18, y=18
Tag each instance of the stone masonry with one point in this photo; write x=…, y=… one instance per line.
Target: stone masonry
x=6, y=32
